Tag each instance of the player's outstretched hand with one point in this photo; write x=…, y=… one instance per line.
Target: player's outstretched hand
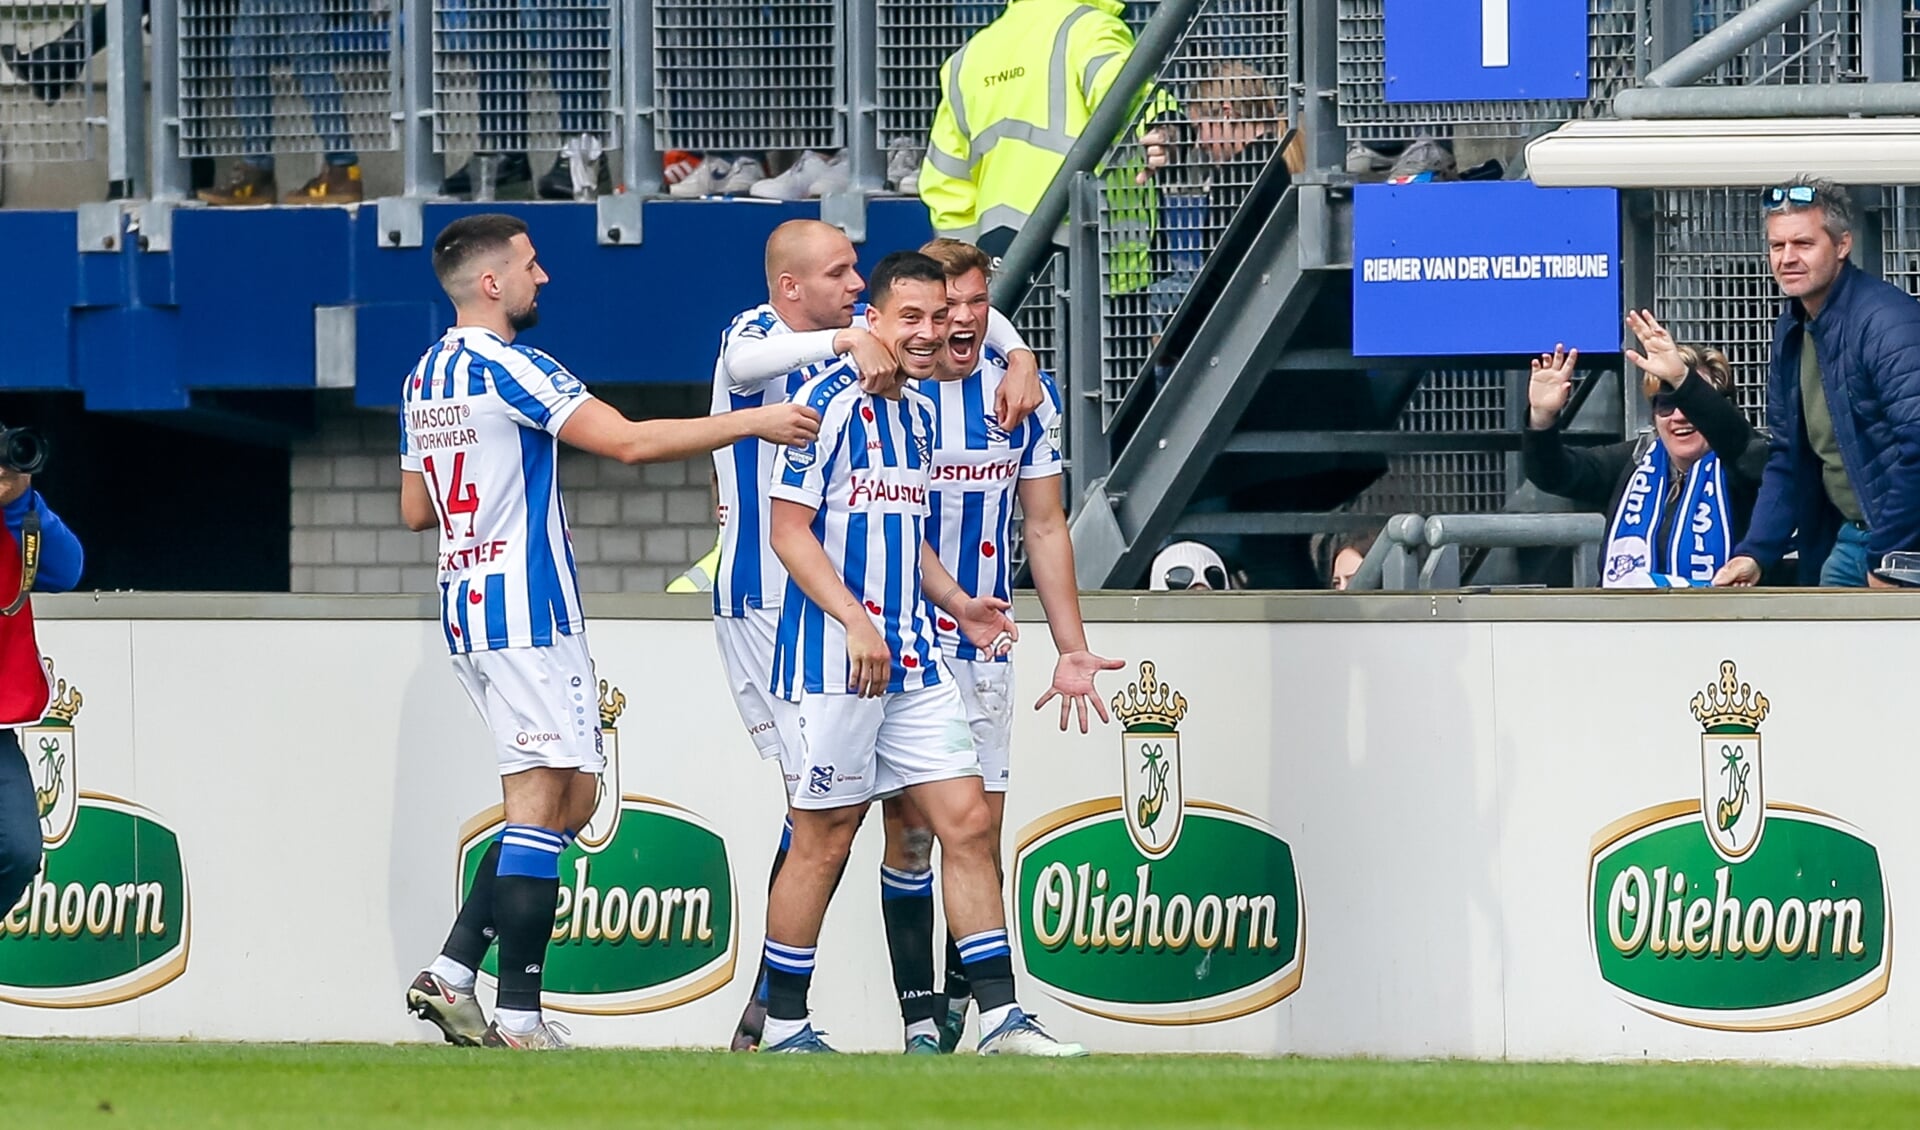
x=1073, y=685
x=789, y=425
x=984, y=620
x=869, y=663
x=879, y=369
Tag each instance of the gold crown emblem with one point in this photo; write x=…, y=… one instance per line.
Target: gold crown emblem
x=1730, y=702
x=612, y=704
x=66, y=699
x=1150, y=702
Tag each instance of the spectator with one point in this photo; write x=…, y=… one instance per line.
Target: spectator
x=1338, y=556
x=1843, y=403
x=1002, y=130
x=1188, y=566
x=308, y=39
x=1237, y=126
x=1678, y=501
x=504, y=38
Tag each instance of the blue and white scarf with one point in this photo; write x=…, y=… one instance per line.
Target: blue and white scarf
x=1702, y=537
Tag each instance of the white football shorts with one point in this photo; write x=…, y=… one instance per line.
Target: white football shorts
x=746, y=654
x=851, y=749
x=986, y=690
x=540, y=702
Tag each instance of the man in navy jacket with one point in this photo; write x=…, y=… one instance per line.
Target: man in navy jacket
x=1842, y=481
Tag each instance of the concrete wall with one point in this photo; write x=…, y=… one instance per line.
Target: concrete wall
x=634, y=528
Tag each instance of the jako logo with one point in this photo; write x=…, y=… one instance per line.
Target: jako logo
x=1152, y=908
x=1733, y=912
x=107, y=918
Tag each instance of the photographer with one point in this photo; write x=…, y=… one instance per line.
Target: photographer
x=37, y=553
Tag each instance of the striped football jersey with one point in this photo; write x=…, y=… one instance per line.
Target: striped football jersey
x=479, y=419
x=976, y=468
x=867, y=480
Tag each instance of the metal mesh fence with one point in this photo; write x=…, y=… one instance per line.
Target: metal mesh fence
x=515, y=75
x=1910, y=41
x=1614, y=61
x=1819, y=45
x=1227, y=76
x=1035, y=318
x=1476, y=482
x=49, y=51
x=747, y=75
x=1712, y=286
x=303, y=76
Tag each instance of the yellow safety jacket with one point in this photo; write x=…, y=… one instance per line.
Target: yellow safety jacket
x=1013, y=100
x=699, y=577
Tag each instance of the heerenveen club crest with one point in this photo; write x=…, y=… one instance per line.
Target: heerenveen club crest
x=1152, y=908
x=1733, y=911
x=647, y=906
x=107, y=918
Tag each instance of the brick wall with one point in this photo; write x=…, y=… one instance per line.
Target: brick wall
x=634, y=528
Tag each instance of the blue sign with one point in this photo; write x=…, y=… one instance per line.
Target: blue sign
x=1485, y=50
x=1484, y=267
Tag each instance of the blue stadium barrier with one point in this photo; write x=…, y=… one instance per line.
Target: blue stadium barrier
x=231, y=306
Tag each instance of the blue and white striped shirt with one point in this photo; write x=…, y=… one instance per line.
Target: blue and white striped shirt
x=479, y=419
x=867, y=480
x=976, y=467
x=749, y=575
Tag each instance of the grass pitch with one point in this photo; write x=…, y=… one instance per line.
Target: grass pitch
x=57, y=1083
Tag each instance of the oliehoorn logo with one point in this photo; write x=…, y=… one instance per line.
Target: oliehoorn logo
x=1732, y=911
x=1152, y=908
x=107, y=918
x=647, y=911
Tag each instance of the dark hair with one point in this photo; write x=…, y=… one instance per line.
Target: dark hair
x=468, y=237
x=902, y=266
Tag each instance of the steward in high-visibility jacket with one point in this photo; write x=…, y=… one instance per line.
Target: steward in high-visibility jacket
x=1012, y=102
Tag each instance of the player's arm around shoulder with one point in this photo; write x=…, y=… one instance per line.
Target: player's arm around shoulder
x=602, y=429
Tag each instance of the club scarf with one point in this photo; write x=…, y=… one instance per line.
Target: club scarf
x=1702, y=537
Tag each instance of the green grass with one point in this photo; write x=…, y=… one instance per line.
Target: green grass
x=54, y=1083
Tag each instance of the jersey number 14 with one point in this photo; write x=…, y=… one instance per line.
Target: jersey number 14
x=460, y=497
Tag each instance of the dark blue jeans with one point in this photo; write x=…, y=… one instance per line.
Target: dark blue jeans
x=19, y=822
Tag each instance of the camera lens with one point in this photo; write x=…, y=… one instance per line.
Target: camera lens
x=23, y=449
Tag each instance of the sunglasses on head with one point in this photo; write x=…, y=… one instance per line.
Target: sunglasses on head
x=1779, y=196
x=1181, y=577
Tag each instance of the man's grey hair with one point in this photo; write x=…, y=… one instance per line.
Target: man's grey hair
x=1836, y=207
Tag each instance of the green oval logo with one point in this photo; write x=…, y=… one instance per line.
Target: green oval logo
x=1212, y=929
x=1795, y=933
x=106, y=919
x=645, y=919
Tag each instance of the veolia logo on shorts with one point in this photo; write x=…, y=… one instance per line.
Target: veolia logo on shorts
x=106, y=919
x=1736, y=912
x=1152, y=908
x=646, y=914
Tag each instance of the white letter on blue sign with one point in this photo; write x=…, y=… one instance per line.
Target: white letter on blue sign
x=1495, y=42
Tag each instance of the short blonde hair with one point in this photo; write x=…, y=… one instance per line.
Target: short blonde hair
x=1247, y=96
x=1711, y=364
x=956, y=257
